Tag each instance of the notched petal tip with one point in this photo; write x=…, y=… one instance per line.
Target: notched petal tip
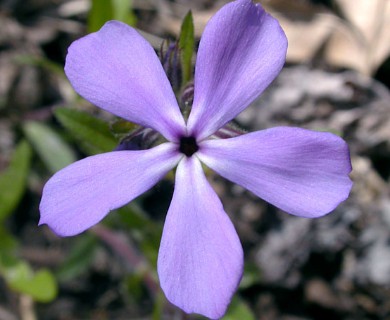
x=82, y=194
x=200, y=260
x=58, y=230
x=241, y=52
x=303, y=172
x=116, y=69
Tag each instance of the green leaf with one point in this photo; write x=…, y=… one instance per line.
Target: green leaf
x=41, y=286
x=134, y=285
x=8, y=242
x=52, y=149
x=41, y=62
x=146, y=231
x=134, y=217
x=158, y=308
x=252, y=276
x=238, y=309
x=13, y=179
x=101, y=12
x=93, y=134
x=79, y=259
x=122, y=11
x=186, y=45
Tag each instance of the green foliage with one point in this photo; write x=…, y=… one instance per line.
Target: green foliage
x=18, y=275
x=52, y=149
x=79, y=259
x=41, y=285
x=135, y=284
x=13, y=180
x=146, y=231
x=158, y=308
x=101, y=11
x=105, y=10
x=41, y=62
x=92, y=133
x=7, y=243
x=252, y=275
x=238, y=309
x=186, y=46
x=122, y=11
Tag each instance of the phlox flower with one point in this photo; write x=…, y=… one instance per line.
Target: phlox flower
x=302, y=172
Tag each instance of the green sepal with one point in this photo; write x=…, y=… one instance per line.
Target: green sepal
x=186, y=46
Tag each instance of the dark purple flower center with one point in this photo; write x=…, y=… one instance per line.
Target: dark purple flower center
x=188, y=146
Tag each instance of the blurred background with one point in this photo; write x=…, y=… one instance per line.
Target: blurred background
x=336, y=79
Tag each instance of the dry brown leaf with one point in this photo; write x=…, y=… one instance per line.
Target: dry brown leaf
x=306, y=37
x=362, y=42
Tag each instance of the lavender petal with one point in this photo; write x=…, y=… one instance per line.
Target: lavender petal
x=80, y=195
x=200, y=261
x=118, y=70
x=241, y=51
x=302, y=172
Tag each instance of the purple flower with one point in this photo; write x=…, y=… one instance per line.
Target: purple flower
x=302, y=172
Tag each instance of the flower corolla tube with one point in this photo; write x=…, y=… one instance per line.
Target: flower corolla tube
x=302, y=172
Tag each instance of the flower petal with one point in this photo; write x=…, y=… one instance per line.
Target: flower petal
x=300, y=171
x=200, y=261
x=118, y=70
x=80, y=195
x=241, y=51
